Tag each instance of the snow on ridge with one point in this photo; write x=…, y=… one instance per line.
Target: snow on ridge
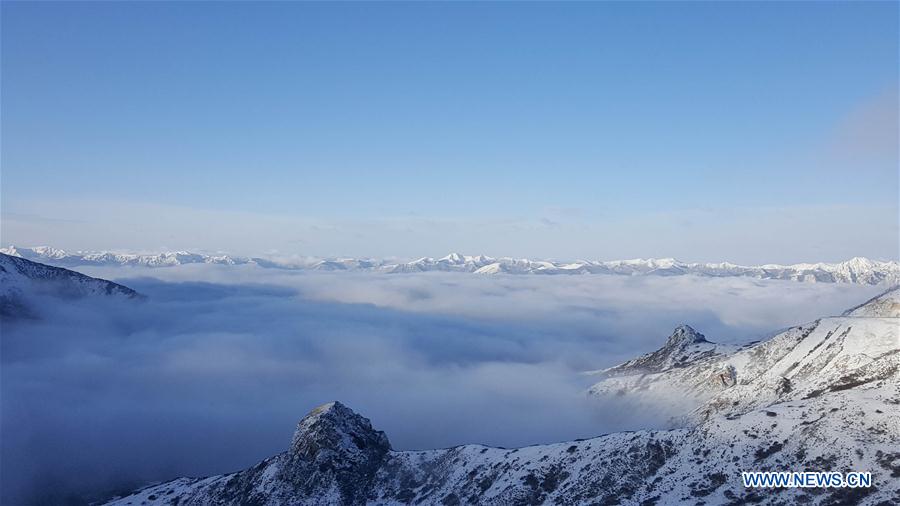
x=857, y=270
x=819, y=397
x=21, y=279
x=884, y=305
x=828, y=354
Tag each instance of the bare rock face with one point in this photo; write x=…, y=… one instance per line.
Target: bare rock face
x=334, y=450
x=724, y=377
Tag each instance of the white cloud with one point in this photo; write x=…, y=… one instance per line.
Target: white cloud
x=212, y=371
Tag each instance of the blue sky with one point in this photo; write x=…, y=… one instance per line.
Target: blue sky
x=751, y=132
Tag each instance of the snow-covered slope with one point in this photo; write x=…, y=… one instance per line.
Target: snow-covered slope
x=21, y=278
x=862, y=344
x=856, y=270
x=819, y=397
x=885, y=305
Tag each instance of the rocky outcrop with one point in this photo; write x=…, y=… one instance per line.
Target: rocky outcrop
x=683, y=348
x=334, y=451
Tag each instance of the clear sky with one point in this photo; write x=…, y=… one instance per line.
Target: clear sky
x=750, y=132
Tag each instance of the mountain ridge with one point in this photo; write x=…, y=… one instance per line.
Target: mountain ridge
x=822, y=396
x=857, y=270
x=21, y=278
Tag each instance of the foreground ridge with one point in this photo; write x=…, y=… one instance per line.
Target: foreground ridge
x=823, y=396
x=856, y=270
x=21, y=279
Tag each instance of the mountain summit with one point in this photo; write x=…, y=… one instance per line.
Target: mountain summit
x=684, y=347
x=684, y=335
x=337, y=429
x=334, y=452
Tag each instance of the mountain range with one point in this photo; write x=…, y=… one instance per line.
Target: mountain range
x=821, y=396
x=856, y=270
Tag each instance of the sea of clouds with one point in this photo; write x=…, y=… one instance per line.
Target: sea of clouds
x=212, y=370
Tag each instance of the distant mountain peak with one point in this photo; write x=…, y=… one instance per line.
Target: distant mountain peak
x=684, y=347
x=684, y=335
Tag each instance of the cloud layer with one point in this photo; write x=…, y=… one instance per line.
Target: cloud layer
x=212, y=371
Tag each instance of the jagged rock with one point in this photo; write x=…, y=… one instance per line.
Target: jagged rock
x=334, y=448
x=684, y=347
x=727, y=377
x=784, y=386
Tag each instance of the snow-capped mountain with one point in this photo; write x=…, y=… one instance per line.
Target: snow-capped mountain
x=856, y=270
x=21, y=279
x=62, y=258
x=824, y=396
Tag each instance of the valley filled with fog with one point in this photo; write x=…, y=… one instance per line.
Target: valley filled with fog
x=210, y=371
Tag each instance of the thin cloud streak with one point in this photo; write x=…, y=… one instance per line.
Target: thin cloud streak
x=743, y=235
